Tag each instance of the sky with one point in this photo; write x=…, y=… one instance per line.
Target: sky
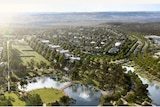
x=19, y=6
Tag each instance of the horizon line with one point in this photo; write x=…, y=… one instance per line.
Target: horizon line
x=82, y=11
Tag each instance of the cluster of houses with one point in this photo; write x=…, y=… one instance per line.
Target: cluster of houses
x=116, y=48
x=57, y=48
x=155, y=39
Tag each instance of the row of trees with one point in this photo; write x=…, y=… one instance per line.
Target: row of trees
x=56, y=59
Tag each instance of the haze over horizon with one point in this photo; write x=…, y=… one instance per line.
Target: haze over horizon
x=19, y=6
x=9, y=9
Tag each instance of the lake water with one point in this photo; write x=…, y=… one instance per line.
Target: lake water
x=42, y=82
x=88, y=95
x=154, y=89
x=83, y=95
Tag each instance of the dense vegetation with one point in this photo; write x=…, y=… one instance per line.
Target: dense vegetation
x=96, y=67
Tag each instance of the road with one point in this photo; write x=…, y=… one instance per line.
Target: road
x=136, y=49
x=144, y=48
x=8, y=65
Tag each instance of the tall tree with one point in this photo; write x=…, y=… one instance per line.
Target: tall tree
x=34, y=100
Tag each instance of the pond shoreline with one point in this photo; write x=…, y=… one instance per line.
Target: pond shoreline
x=79, y=95
x=153, y=85
x=145, y=75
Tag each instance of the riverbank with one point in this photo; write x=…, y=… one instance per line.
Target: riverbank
x=143, y=73
x=153, y=84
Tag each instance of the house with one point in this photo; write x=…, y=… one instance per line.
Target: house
x=63, y=51
x=93, y=42
x=113, y=50
x=45, y=41
x=58, y=49
x=102, y=43
x=118, y=44
x=156, y=55
x=73, y=59
x=67, y=55
x=53, y=46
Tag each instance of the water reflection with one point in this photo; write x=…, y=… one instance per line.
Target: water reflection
x=42, y=82
x=157, y=87
x=83, y=95
x=154, y=91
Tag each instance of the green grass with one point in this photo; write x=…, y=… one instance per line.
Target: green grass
x=48, y=95
x=26, y=53
x=17, y=101
x=31, y=74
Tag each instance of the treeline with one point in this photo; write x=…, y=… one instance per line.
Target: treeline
x=57, y=60
x=138, y=94
x=149, y=64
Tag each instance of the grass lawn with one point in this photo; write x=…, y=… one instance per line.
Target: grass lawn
x=17, y=101
x=48, y=95
x=26, y=53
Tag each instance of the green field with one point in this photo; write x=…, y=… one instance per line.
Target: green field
x=48, y=95
x=17, y=101
x=26, y=53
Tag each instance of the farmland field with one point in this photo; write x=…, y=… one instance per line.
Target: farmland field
x=26, y=53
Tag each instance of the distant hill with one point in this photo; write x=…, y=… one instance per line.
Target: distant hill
x=45, y=19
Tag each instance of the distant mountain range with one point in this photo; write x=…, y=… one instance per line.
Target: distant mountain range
x=45, y=19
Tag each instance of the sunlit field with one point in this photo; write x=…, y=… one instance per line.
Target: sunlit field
x=26, y=53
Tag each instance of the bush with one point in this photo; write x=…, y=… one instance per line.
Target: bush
x=119, y=102
x=130, y=97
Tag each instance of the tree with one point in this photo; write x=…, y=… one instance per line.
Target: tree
x=4, y=101
x=52, y=55
x=75, y=74
x=62, y=61
x=55, y=103
x=38, y=65
x=119, y=102
x=23, y=83
x=32, y=62
x=43, y=64
x=14, y=79
x=34, y=100
x=66, y=101
x=131, y=97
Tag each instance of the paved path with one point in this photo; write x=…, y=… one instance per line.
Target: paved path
x=144, y=48
x=66, y=86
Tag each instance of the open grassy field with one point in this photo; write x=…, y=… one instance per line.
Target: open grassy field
x=17, y=101
x=26, y=53
x=48, y=95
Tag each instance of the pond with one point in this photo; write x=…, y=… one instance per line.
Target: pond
x=154, y=89
x=42, y=82
x=83, y=95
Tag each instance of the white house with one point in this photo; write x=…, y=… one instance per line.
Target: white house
x=73, y=59
x=45, y=41
x=117, y=44
x=67, y=55
x=63, y=51
x=54, y=46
